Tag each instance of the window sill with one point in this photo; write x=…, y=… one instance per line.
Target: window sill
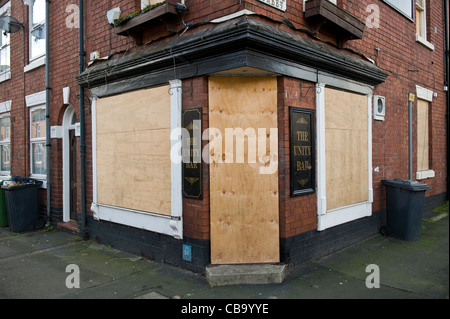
x=136, y=25
x=346, y=23
x=5, y=76
x=425, y=174
x=424, y=42
x=35, y=64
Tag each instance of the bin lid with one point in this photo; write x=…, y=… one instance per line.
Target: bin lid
x=20, y=182
x=406, y=184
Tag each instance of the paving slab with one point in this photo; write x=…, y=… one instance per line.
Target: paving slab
x=221, y=275
x=33, y=266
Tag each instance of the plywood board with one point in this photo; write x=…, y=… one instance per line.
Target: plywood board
x=133, y=151
x=346, y=148
x=244, y=202
x=423, y=161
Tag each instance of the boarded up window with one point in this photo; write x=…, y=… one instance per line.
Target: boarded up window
x=423, y=162
x=133, y=151
x=346, y=148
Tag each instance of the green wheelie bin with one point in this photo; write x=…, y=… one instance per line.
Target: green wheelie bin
x=3, y=210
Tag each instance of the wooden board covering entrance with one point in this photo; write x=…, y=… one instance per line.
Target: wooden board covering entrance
x=244, y=203
x=133, y=151
x=346, y=148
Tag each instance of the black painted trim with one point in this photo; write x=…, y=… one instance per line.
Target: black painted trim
x=236, y=43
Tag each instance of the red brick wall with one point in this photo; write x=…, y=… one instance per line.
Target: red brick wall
x=297, y=214
x=196, y=212
x=64, y=67
x=407, y=63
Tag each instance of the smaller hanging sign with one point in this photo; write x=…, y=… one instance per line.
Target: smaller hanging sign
x=191, y=153
x=302, y=173
x=279, y=4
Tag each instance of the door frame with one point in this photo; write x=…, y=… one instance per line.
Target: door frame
x=330, y=218
x=66, y=127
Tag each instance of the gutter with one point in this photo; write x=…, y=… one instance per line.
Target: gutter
x=228, y=38
x=82, y=222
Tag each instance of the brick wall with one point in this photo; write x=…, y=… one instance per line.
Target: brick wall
x=297, y=214
x=392, y=47
x=196, y=212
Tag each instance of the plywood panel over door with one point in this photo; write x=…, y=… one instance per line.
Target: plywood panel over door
x=346, y=139
x=244, y=202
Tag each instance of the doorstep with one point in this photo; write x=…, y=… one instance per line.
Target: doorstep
x=70, y=226
x=221, y=275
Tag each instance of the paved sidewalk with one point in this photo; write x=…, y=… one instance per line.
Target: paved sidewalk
x=33, y=266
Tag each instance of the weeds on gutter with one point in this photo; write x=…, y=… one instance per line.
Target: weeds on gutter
x=130, y=16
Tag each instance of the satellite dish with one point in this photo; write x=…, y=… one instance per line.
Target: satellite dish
x=10, y=25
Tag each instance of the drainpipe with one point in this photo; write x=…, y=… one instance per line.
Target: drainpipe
x=47, y=105
x=447, y=79
x=410, y=136
x=82, y=224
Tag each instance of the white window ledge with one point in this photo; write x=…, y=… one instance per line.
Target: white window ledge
x=35, y=64
x=424, y=42
x=5, y=76
x=425, y=174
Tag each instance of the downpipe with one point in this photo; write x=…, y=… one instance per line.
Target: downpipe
x=47, y=107
x=447, y=79
x=82, y=224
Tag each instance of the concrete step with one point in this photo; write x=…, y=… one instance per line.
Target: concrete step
x=221, y=275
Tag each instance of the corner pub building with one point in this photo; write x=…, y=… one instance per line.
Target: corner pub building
x=292, y=114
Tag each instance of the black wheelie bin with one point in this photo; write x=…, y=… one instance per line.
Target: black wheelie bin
x=405, y=201
x=22, y=203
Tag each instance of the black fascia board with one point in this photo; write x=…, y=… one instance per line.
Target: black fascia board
x=233, y=37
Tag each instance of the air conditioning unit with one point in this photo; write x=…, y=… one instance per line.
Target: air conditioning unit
x=379, y=107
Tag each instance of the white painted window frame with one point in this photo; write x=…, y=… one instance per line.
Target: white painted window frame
x=36, y=100
x=395, y=4
x=144, y=3
x=330, y=218
x=422, y=37
x=169, y=225
x=5, y=11
x=41, y=23
x=39, y=140
x=427, y=95
x=5, y=108
x=38, y=61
